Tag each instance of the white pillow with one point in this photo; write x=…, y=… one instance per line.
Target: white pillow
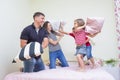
x=33, y=49
x=56, y=25
x=94, y=25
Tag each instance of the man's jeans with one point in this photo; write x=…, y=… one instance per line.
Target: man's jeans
x=33, y=65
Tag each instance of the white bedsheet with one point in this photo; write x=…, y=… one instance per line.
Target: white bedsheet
x=68, y=73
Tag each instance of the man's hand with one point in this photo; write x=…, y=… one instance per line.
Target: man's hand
x=45, y=43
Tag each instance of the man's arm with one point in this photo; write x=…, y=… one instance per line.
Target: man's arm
x=45, y=43
x=23, y=43
x=24, y=37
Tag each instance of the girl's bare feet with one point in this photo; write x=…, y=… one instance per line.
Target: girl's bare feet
x=81, y=70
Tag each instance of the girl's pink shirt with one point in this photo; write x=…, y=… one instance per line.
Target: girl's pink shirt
x=80, y=37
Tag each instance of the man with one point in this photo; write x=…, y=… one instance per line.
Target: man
x=34, y=33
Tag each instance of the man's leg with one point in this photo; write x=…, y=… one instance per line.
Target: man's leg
x=29, y=65
x=39, y=65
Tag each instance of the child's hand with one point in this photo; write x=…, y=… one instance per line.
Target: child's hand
x=62, y=23
x=61, y=27
x=86, y=41
x=61, y=35
x=79, y=44
x=60, y=30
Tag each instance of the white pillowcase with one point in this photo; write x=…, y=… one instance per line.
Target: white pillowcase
x=56, y=24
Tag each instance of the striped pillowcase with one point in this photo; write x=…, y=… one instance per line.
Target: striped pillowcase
x=33, y=49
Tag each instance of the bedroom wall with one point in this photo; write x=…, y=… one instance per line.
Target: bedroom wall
x=14, y=16
x=105, y=43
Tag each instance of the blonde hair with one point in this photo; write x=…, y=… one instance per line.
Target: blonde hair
x=80, y=22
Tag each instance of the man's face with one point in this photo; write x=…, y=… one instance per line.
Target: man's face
x=40, y=19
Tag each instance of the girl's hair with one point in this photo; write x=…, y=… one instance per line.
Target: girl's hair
x=73, y=28
x=45, y=25
x=80, y=22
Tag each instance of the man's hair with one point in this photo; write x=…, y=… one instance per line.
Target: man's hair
x=37, y=14
x=80, y=22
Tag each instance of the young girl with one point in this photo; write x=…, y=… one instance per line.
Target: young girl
x=54, y=47
x=79, y=22
x=79, y=36
x=88, y=48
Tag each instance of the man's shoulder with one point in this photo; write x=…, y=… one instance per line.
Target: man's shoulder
x=28, y=28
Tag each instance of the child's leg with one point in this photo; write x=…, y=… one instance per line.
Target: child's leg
x=80, y=61
x=77, y=56
x=89, y=55
x=92, y=61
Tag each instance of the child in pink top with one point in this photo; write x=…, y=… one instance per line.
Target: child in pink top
x=83, y=46
x=79, y=36
x=88, y=49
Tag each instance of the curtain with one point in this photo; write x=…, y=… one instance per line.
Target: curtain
x=117, y=17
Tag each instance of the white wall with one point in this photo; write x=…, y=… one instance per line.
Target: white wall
x=69, y=10
x=16, y=14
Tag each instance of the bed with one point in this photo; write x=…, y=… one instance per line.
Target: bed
x=68, y=73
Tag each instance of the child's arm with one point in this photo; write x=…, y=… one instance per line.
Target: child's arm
x=92, y=42
x=59, y=34
x=88, y=39
x=92, y=35
x=62, y=31
x=78, y=28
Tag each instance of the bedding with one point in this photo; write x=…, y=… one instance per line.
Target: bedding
x=66, y=73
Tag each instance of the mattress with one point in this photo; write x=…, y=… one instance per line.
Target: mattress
x=66, y=73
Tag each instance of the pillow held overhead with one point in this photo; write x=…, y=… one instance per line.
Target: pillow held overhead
x=56, y=25
x=94, y=25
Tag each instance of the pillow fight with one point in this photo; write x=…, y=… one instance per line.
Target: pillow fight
x=41, y=34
